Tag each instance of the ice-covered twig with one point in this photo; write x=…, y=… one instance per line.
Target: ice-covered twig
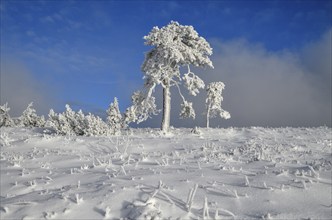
x=123, y=170
x=206, y=214
x=246, y=181
x=78, y=200
x=191, y=196
x=315, y=174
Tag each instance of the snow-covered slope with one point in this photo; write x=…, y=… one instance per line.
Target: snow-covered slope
x=234, y=173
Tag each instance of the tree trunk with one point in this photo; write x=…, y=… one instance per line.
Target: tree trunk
x=166, y=108
x=208, y=117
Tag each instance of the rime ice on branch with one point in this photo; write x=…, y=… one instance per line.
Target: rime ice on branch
x=174, y=46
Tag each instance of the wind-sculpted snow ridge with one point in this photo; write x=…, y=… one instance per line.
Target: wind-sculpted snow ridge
x=234, y=173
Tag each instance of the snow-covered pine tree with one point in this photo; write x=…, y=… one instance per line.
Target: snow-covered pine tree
x=80, y=123
x=63, y=123
x=95, y=126
x=174, y=46
x=70, y=117
x=5, y=119
x=54, y=122
x=114, y=117
x=30, y=118
x=213, y=102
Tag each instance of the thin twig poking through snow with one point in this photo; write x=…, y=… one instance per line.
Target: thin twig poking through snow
x=246, y=181
x=206, y=214
x=191, y=196
x=78, y=200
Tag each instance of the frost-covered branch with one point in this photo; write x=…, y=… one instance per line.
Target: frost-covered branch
x=143, y=106
x=193, y=82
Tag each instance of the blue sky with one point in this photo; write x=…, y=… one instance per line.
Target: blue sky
x=86, y=52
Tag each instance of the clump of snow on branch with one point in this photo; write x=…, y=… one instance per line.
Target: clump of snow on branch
x=187, y=110
x=213, y=101
x=192, y=82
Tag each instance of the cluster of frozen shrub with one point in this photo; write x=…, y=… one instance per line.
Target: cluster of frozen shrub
x=69, y=122
x=29, y=118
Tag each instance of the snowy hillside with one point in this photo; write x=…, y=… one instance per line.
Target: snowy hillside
x=234, y=173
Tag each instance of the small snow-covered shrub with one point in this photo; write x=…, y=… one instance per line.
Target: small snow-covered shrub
x=196, y=130
x=95, y=126
x=5, y=119
x=30, y=118
x=60, y=123
x=114, y=117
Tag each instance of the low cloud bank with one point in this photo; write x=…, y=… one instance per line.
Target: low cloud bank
x=19, y=87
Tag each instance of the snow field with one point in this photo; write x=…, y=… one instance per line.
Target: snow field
x=234, y=173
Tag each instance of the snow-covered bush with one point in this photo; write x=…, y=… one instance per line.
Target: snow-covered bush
x=30, y=118
x=5, y=119
x=76, y=123
x=80, y=123
x=71, y=120
x=213, y=102
x=174, y=46
x=114, y=117
x=59, y=123
x=95, y=126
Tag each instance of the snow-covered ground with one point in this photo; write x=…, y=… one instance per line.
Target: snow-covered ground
x=234, y=173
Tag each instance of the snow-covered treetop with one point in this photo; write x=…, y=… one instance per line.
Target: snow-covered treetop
x=175, y=45
x=180, y=43
x=4, y=109
x=214, y=91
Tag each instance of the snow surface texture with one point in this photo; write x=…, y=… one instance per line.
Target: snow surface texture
x=234, y=173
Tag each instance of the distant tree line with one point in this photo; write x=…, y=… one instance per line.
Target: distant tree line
x=68, y=122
